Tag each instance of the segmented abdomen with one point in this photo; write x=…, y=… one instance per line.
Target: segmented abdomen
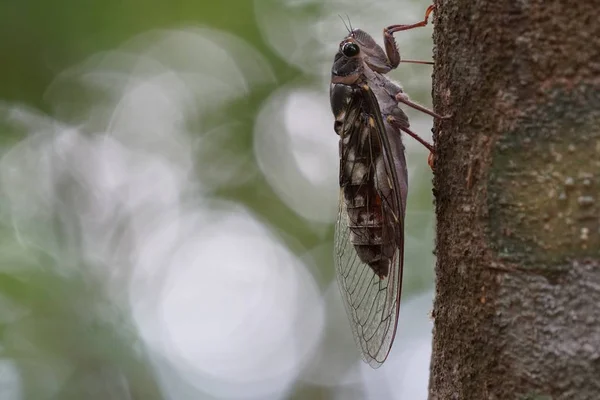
x=372, y=237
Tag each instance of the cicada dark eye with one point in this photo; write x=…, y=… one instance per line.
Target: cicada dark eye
x=350, y=49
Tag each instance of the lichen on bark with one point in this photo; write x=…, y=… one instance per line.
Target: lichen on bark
x=545, y=181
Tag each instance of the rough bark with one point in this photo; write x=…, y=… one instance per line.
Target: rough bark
x=517, y=185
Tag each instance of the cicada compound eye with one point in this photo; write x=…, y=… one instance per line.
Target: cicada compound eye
x=350, y=49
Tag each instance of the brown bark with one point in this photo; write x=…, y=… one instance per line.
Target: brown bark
x=517, y=184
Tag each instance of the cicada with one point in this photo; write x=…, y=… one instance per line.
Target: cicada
x=369, y=235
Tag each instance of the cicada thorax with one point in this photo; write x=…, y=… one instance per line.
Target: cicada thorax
x=361, y=171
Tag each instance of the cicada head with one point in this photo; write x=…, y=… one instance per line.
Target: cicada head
x=347, y=64
x=357, y=51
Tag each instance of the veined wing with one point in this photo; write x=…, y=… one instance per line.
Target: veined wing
x=372, y=303
x=371, y=296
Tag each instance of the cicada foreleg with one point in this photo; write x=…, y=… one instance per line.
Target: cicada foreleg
x=391, y=48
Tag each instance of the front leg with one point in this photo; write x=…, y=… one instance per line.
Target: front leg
x=391, y=48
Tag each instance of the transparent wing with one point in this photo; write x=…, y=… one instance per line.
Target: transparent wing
x=372, y=303
x=372, y=300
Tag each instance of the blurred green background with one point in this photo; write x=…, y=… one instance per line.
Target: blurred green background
x=168, y=189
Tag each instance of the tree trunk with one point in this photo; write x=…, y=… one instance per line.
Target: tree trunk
x=517, y=185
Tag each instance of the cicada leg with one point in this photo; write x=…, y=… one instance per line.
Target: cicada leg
x=391, y=48
x=403, y=98
x=416, y=62
x=398, y=125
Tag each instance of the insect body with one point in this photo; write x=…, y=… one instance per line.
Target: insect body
x=369, y=237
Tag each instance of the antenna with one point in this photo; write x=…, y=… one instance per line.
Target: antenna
x=349, y=29
x=349, y=23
